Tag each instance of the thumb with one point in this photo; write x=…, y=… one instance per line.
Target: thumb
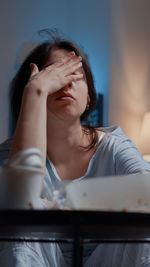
x=34, y=69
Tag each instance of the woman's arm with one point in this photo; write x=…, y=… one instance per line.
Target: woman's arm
x=31, y=125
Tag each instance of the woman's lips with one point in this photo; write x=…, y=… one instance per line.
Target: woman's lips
x=65, y=97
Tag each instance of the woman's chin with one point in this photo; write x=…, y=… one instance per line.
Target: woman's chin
x=66, y=113
x=69, y=117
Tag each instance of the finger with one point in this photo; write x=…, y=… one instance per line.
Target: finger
x=71, y=66
x=73, y=77
x=72, y=61
x=63, y=62
x=66, y=59
x=34, y=69
x=71, y=69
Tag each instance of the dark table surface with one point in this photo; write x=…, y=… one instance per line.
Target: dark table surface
x=90, y=226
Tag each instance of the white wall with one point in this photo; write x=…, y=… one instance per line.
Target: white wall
x=86, y=21
x=129, y=97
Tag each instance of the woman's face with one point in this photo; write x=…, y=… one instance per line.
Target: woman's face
x=58, y=103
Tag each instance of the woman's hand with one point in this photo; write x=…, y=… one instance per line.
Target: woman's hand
x=54, y=77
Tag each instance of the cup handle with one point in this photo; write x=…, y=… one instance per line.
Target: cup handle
x=27, y=157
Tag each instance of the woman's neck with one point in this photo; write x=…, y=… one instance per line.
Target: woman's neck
x=64, y=140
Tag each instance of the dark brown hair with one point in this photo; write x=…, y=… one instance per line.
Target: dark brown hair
x=39, y=56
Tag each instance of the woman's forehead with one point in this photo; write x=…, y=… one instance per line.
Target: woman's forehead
x=58, y=54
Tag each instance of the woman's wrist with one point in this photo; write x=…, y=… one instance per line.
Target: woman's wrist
x=35, y=91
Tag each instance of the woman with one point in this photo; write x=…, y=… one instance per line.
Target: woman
x=52, y=93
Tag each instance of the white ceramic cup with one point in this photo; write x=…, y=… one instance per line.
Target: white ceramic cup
x=21, y=183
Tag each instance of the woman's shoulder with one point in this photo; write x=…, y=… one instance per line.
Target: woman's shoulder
x=112, y=132
x=115, y=139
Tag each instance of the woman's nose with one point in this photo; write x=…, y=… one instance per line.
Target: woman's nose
x=68, y=86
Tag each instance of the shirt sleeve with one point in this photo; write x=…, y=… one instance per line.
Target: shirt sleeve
x=128, y=160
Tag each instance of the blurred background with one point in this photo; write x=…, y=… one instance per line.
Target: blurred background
x=114, y=33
